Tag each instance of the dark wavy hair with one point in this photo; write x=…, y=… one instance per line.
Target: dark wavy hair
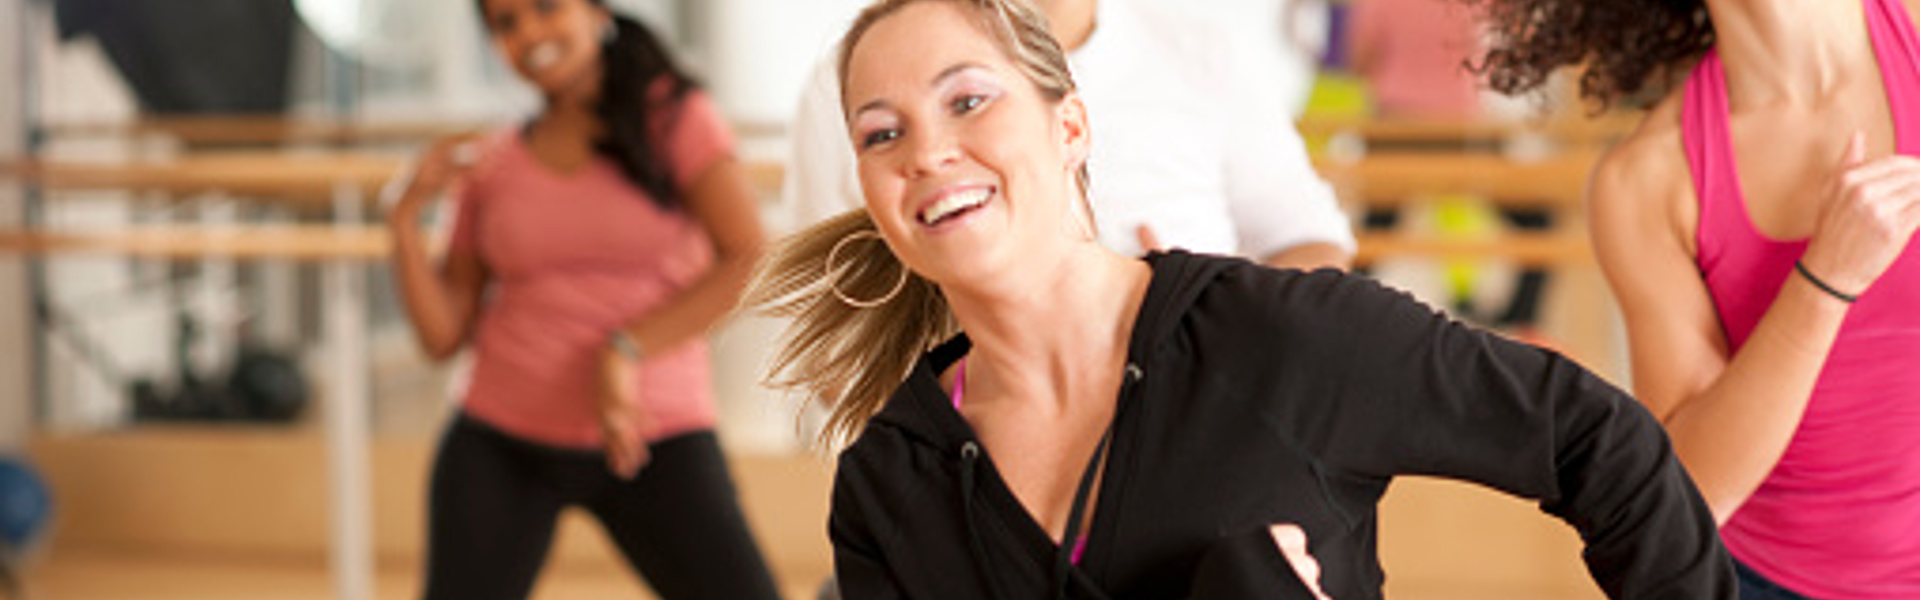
x=633, y=62
x=1626, y=46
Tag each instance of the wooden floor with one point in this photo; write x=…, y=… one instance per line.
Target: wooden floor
x=109, y=575
x=94, y=575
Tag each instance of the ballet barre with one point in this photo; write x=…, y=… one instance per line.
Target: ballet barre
x=320, y=243
x=342, y=183
x=307, y=180
x=1526, y=249
x=268, y=129
x=296, y=243
x=1390, y=179
x=1564, y=129
x=279, y=129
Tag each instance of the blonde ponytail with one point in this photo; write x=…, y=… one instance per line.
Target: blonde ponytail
x=849, y=359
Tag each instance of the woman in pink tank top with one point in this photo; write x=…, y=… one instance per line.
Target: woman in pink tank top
x=1757, y=231
x=593, y=247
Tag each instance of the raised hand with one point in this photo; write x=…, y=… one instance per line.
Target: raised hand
x=1292, y=541
x=1868, y=219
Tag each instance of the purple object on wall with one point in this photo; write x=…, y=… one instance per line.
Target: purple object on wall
x=1335, y=57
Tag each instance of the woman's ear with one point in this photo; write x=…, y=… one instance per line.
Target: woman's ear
x=1076, y=137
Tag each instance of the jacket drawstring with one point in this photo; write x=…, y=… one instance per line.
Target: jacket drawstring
x=969, y=463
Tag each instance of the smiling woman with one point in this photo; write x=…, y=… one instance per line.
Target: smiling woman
x=593, y=247
x=1032, y=413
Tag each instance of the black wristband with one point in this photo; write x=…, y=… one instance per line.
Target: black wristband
x=1843, y=296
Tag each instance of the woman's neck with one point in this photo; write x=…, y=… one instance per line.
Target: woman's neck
x=1794, y=53
x=1057, y=333
x=569, y=120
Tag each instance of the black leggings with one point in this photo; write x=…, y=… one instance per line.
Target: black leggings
x=1754, y=586
x=495, y=500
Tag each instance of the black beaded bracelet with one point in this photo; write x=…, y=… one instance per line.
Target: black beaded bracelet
x=1843, y=296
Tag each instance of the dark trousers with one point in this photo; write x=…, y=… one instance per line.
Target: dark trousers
x=495, y=500
x=1754, y=586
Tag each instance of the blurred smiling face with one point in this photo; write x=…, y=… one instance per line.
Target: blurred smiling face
x=966, y=168
x=553, y=44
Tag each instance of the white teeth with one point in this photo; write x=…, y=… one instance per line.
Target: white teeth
x=953, y=203
x=542, y=56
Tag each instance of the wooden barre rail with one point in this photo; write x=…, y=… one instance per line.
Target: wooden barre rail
x=309, y=243
x=267, y=129
x=1565, y=129
x=1527, y=249
x=300, y=243
x=299, y=179
x=1398, y=178
x=277, y=129
x=314, y=180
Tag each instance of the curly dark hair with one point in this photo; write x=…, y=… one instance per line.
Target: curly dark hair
x=1626, y=46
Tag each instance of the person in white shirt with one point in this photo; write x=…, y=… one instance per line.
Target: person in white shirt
x=1192, y=143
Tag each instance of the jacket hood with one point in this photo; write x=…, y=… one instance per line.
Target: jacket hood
x=924, y=411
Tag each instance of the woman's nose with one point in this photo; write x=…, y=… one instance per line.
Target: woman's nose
x=933, y=150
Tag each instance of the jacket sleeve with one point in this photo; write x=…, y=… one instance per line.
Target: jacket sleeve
x=1247, y=565
x=1406, y=390
x=860, y=568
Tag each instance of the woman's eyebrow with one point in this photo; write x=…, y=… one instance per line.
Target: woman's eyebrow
x=938, y=78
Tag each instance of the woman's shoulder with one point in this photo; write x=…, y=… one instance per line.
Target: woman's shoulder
x=1294, y=298
x=1646, y=180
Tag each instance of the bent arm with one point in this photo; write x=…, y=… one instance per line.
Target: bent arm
x=1284, y=214
x=1417, y=393
x=442, y=301
x=821, y=178
x=1730, y=414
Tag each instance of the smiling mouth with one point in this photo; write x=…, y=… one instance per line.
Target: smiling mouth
x=542, y=56
x=954, y=205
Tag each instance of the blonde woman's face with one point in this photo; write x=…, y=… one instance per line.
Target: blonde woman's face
x=966, y=168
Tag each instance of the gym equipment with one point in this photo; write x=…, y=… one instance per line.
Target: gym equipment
x=261, y=384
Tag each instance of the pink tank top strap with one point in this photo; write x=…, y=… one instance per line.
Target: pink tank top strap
x=959, y=395
x=1703, y=128
x=959, y=382
x=1898, y=49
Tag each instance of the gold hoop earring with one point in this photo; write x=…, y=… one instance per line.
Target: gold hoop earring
x=833, y=282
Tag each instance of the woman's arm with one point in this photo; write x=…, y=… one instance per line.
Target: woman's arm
x=1404, y=390
x=1730, y=415
x=723, y=201
x=441, y=300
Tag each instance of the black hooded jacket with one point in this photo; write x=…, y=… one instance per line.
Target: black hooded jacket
x=1257, y=396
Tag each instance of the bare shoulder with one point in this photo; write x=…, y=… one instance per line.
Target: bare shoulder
x=1644, y=183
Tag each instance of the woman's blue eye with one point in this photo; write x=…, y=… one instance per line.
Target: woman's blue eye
x=879, y=137
x=965, y=104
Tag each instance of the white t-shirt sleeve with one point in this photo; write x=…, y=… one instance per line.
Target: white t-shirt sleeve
x=1275, y=197
x=821, y=179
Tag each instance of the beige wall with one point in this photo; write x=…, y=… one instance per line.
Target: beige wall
x=15, y=405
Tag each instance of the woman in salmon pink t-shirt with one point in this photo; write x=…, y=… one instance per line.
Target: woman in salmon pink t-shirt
x=592, y=249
